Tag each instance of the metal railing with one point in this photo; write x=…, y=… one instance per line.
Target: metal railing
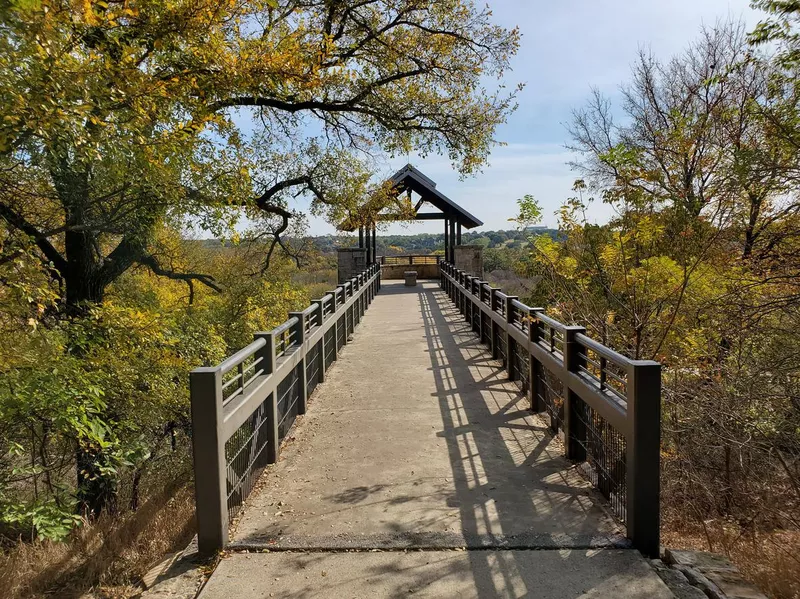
x=607, y=406
x=413, y=260
x=244, y=407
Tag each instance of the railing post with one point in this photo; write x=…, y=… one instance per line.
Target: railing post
x=510, y=343
x=300, y=338
x=468, y=299
x=454, y=282
x=320, y=303
x=357, y=291
x=356, y=298
x=643, y=456
x=495, y=336
x=574, y=429
x=352, y=311
x=450, y=271
x=362, y=306
x=345, y=315
x=208, y=449
x=535, y=369
x=335, y=325
x=267, y=354
x=482, y=314
x=476, y=290
x=457, y=291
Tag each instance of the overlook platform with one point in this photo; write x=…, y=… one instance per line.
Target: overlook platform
x=420, y=469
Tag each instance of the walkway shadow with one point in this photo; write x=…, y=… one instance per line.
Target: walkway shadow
x=510, y=476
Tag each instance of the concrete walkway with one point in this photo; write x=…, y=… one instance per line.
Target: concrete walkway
x=418, y=469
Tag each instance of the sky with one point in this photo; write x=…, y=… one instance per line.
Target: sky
x=567, y=48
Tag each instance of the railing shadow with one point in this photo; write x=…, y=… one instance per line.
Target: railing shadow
x=512, y=485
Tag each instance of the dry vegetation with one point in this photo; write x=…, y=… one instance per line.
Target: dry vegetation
x=108, y=557
x=766, y=559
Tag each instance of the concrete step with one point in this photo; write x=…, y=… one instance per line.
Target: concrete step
x=544, y=574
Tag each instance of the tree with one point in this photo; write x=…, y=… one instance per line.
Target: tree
x=117, y=117
x=698, y=267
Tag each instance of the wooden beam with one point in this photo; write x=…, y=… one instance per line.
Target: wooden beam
x=419, y=216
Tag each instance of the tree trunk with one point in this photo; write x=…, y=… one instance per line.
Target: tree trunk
x=82, y=284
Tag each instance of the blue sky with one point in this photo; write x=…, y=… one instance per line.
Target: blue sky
x=568, y=47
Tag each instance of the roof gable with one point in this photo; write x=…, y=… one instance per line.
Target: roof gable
x=411, y=178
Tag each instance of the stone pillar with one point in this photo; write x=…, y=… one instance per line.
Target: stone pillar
x=469, y=258
x=351, y=262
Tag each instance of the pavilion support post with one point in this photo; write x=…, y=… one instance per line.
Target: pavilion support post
x=374, y=244
x=368, y=244
x=452, y=257
x=458, y=235
x=446, y=240
x=361, y=237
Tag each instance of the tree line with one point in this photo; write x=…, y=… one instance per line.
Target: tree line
x=429, y=243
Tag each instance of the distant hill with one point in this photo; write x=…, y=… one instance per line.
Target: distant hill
x=427, y=243
x=421, y=243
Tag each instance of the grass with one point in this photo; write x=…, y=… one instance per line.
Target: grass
x=770, y=560
x=107, y=558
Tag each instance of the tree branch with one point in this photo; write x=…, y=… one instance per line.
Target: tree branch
x=17, y=221
x=152, y=263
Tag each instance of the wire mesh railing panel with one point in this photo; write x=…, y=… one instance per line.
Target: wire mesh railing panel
x=288, y=400
x=330, y=348
x=521, y=366
x=245, y=458
x=341, y=333
x=605, y=457
x=313, y=367
x=551, y=396
x=486, y=330
x=502, y=347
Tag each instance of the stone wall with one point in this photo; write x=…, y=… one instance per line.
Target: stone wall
x=351, y=262
x=469, y=258
x=396, y=271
